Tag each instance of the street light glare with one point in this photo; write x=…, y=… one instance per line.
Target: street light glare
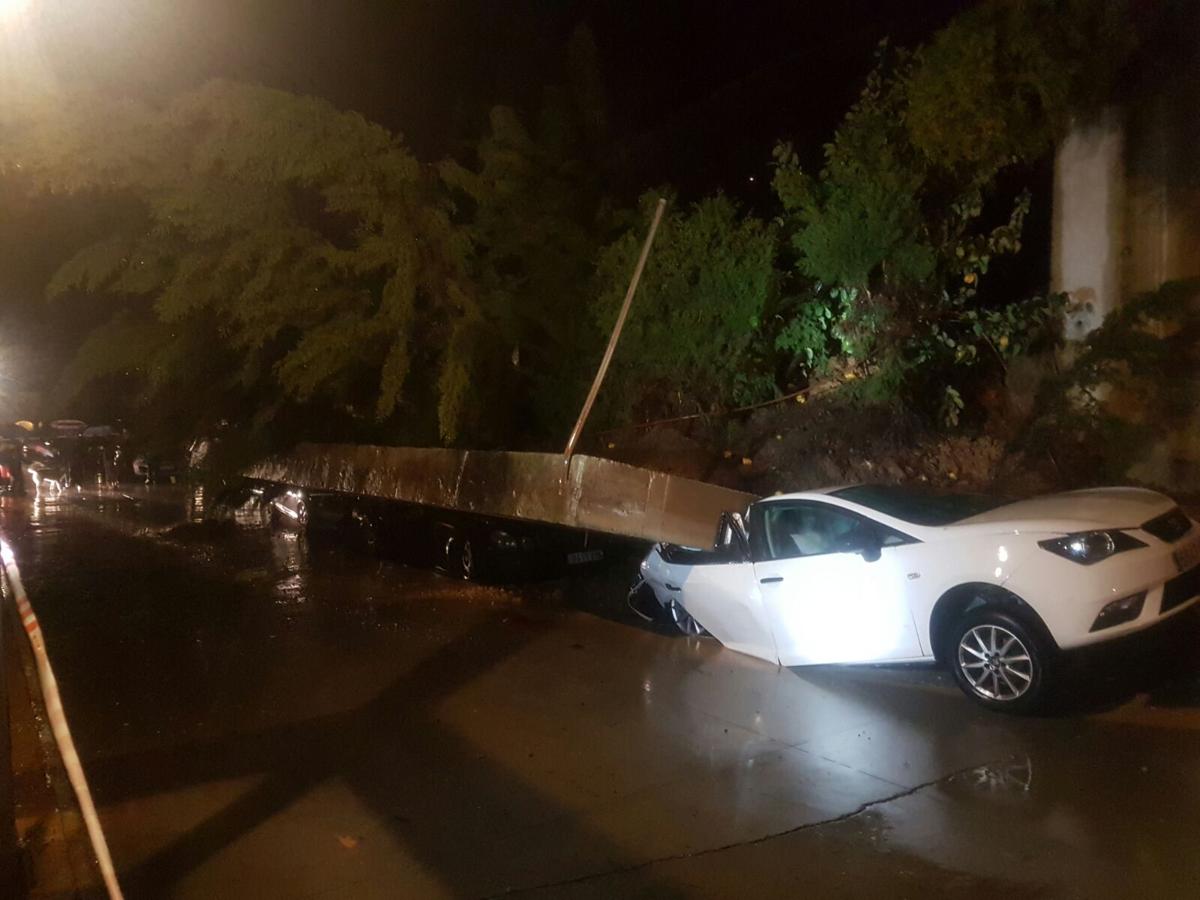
x=11, y=10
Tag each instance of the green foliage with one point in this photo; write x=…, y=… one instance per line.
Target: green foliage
x=863, y=209
x=290, y=266
x=1001, y=81
x=1128, y=385
x=951, y=407
x=895, y=245
x=304, y=239
x=805, y=336
x=894, y=231
x=344, y=285
x=534, y=218
x=686, y=342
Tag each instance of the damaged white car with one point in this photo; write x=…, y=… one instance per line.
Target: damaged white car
x=876, y=573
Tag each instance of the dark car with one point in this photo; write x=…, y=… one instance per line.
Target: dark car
x=483, y=548
x=10, y=466
x=155, y=469
x=325, y=516
x=9, y=481
x=458, y=544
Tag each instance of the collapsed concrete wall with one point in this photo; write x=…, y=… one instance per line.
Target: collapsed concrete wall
x=592, y=493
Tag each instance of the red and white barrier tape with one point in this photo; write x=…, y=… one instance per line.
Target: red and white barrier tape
x=58, y=723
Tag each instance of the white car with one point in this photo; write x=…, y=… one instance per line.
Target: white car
x=876, y=573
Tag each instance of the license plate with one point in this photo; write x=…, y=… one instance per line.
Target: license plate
x=584, y=556
x=1188, y=557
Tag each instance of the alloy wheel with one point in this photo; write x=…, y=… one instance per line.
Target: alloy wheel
x=996, y=664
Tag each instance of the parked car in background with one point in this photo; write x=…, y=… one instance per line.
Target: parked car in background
x=289, y=507
x=47, y=468
x=12, y=449
x=458, y=544
x=155, y=469
x=482, y=548
x=994, y=590
x=325, y=516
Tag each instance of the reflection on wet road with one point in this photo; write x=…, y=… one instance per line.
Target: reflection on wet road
x=264, y=718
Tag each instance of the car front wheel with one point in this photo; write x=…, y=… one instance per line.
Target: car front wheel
x=999, y=661
x=461, y=559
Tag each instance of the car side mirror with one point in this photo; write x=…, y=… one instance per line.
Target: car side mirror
x=731, y=538
x=871, y=549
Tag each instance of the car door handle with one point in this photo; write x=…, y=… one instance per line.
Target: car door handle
x=774, y=579
x=671, y=587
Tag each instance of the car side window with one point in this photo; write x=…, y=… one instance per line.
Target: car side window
x=795, y=530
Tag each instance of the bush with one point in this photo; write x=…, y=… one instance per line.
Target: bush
x=687, y=342
x=1127, y=388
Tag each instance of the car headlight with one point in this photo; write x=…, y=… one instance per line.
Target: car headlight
x=1088, y=547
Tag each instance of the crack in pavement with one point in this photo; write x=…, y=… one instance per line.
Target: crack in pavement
x=761, y=839
x=845, y=765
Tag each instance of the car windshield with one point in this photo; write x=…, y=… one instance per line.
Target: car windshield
x=916, y=506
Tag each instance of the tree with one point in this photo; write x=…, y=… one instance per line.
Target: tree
x=894, y=244
x=687, y=341
x=1001, y=81
x=532, y=207
x=305, y=246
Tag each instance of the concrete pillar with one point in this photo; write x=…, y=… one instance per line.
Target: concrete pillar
x=1088, y=220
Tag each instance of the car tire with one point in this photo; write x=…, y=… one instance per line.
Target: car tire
x=1000, y=660
x=462, y=559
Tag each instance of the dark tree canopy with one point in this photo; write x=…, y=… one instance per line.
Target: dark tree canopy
x=269, y=260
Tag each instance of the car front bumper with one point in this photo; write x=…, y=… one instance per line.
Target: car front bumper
x=1081, y=592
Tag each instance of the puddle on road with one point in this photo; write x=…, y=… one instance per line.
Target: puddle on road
x=1006, y=776
x=236, y=544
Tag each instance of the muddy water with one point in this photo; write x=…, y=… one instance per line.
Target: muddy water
x=261, y=717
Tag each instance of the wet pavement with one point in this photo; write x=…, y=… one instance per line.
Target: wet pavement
x=264, y=718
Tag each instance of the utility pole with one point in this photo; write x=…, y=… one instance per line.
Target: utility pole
x=10, y=858
x=616, y=334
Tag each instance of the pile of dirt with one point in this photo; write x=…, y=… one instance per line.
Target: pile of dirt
x=665, y=449
x=830, y=441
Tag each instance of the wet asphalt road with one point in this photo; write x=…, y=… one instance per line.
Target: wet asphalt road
x=264, y=718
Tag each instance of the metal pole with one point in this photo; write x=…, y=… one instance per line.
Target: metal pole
x=57, y=720
x=616, y=334
x=10, y=860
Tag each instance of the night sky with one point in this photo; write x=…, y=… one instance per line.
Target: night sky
x=698, y=90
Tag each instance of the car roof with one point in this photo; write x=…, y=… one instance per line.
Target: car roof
x=827, y=495
x=908, y=505
x=812, y=493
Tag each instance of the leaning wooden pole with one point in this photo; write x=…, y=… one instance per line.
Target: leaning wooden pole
x=616, y=334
